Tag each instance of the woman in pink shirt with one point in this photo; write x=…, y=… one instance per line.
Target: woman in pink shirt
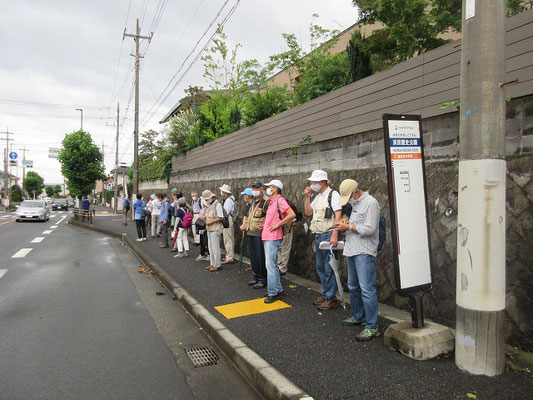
x=278, y=214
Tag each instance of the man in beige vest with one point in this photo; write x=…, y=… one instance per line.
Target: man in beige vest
x=213, y=225
x=228, y=233
x=326, y=211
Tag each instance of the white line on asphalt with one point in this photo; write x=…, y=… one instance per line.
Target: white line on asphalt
x=2, y=272
x=52, y=216
x=47, y=232
x=21, y=253
x=38, y=239
x=54, y=227
x=61, y=220
x=60, y=212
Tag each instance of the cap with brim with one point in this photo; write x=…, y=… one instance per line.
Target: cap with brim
x=174, y=190
x=247, y=191
x=257, y=185
x=318, y=175
x=275, y=182
x=346, y=189
x=207, y=194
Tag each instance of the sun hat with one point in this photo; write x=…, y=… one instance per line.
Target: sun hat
x=247, y=191
x=153, y=196
x=207, y=194
x=275, y=182
x=318, y=175
x=225, y=188
x=346, y=189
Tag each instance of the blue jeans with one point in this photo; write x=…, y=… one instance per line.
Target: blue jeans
x=362, y=285
x=271, y=257
x=326, y=274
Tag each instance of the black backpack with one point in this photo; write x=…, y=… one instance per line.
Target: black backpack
x=127, y=205
x=171, y=211
x=299, y=215
x=347, y=210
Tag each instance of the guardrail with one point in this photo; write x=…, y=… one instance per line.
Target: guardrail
x=84, y=215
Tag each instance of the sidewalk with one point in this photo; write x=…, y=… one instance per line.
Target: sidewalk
x=312, y=348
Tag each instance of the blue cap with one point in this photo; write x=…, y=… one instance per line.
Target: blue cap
x=247, y=191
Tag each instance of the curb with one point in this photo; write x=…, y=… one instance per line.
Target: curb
x=266, y=379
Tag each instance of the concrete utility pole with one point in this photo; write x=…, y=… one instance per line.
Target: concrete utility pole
x=6, y=162
x=137, y=37
x=23, y=162
x=115, y=179
x=81, y=109
x=480, y=294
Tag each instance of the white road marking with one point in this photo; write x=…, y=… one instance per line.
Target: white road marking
x=21, y=253
x=38, y=239
x=47, y=232
x=54, y=227
x=60, y=212
x=52, y=216
x=61, y=220
x=2, y=272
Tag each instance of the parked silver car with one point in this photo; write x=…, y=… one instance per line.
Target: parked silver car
x=32, y=210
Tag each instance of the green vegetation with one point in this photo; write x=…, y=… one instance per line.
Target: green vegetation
x=33, y=181
x=16, y=194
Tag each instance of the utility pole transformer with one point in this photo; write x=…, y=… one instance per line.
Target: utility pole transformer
x=137, y=37
x=480, y=288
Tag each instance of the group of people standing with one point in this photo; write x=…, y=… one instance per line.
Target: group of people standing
x=268, y=223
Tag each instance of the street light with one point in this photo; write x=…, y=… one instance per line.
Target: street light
x=81, y=109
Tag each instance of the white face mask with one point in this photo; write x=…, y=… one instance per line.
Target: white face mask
x=256, y=193
x=210, y=201
x=194, y=198
x=315, y=187
x=269, y=192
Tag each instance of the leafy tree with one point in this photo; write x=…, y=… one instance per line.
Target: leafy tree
x=149, y=145
x=81, y=163
x=57, y=190
x=196, y=96
x=33, y=181
x=217, y=117
x=358, y=58
x=16, y=193
x=180, y=132
x=49, y=191
x=517, y=6
x=268, y=101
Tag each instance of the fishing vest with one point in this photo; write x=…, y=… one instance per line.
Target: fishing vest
x=211, y=215
x=319, y=224
x=256, y=215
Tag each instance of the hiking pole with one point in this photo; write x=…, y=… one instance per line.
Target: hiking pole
x=240, y=257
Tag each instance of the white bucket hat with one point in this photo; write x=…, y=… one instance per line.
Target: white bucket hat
x=318, y=175
x=207, y=194
x=275, y=182
x=225, y=188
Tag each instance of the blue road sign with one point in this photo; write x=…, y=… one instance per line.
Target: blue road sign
x=13, y=155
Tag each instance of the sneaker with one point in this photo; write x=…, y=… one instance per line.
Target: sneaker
x=252, y=282
x=144, y=238
x=173, y=251
x=367, y=334
x=354, y=322
x=207, y=258
x=319, y=300
x=179, y=255
x=199, y=258
x=328, y=304
x=139, y=239
x=259, y=285
x=282, y=274
x=186, y=254
x=272, y=299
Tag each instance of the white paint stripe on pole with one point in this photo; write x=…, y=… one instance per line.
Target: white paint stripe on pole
x=47, y=232
x=22, y=253
x=2, y=272
x=38, y=239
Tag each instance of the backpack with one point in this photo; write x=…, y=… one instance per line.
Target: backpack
x=347, y=210
x=225, y=220
x=126, y=204
x=171, y=211
x=299, y=215
x=186, y=222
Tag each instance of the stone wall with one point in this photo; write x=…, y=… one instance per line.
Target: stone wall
x=361, y=157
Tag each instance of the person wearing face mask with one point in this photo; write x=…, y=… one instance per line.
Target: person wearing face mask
x=201, y=229
x=228, y=233
x=278, y=214
x=214, y=216
x=326, y=211
x=156, y=213
x=360, y=249
x=253, y=222
x=196, y=208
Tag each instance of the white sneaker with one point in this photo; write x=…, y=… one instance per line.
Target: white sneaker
x=144, y=238
x=140, y=239
x=200, y=258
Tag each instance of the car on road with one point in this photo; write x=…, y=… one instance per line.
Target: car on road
x=32, y=210
x=60, y=204
x=71, y=202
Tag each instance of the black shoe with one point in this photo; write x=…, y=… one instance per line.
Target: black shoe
x=259, y=285
x=272, y=299
x=173, y=251
x=252, y=282
x=282, y=274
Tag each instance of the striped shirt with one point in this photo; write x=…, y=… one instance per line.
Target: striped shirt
x=365, y=218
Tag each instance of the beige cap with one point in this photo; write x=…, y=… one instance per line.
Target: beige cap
x=225, y=188
x=347, y=187
x=207, y=194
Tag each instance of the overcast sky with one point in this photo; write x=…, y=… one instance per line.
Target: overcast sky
x=60, y=55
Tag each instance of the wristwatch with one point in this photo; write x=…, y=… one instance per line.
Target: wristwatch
x=350, y=227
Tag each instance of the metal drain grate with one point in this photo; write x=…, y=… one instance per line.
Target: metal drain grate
x=202, y=356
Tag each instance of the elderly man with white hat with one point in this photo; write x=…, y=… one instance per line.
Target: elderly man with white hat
x=229, y=240
x=326, y=211
x=213, y=225
x=360, y=249
x=278, y=214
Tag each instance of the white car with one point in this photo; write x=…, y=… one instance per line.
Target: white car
x=32, y=210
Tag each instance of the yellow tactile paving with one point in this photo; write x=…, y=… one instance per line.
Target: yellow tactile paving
x=250, y=307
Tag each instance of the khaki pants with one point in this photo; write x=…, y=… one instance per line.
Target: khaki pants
x=284, y=251
x=229, y=240
x=156, y=225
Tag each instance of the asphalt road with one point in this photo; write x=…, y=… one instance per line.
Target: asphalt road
x=78, y=322
x=315, y=351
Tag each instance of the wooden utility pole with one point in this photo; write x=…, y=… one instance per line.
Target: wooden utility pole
x=480, y=290
x=6, y=162
x=137, y=37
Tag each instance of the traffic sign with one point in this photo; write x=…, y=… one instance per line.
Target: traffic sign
x=13, y=163
x=27, y=163
x=13, y=155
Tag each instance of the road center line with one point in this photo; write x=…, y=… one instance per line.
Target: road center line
x=2, y=272
x=54, y=227
x=47, y=232
x=61, y=220
x=22, y=253
x=38, y=239
x=8, y=222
